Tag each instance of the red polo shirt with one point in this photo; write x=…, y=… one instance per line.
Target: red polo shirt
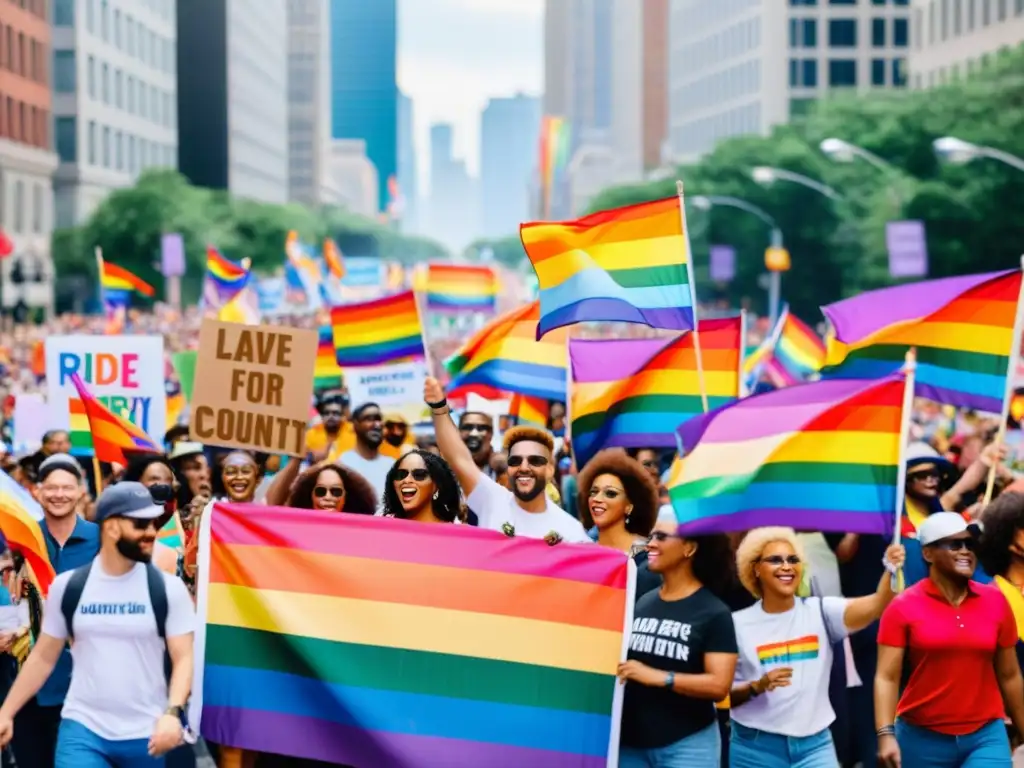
x=952, y=687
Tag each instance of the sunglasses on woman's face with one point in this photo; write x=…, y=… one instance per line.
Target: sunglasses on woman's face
x=777, y=560
x=336, y=491
x=533, y=461
x=955, y=545
x=662, y=536
x=419, y=475
x=928, y=474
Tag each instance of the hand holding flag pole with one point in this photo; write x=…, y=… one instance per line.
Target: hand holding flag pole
x=909, y=369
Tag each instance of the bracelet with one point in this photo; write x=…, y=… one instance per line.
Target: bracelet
x=754, y=693
x=886, y=730
x=436, y=406
x=889, y=566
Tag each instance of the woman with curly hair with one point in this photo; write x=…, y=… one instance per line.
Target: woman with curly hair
x=421, y=486
x=781, y=711
x=619, y=497
x=682, y=654
x=333, y=487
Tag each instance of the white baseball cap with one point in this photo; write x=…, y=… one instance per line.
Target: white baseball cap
x=942, y=525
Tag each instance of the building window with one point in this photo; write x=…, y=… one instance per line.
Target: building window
x=130, y=90
x=900, y=33
x=1001, y=10
x=842, y=73
x=119, y=150
x=129, y=28
x=878, y=71
x=117, y=29
x=90, y=75
x=106, y=147
x=842, y=2
x=878, y=33
x=803, y=2
x=104, y=20
x=1018, y=7
x=944, y=19
x=118, y=89
x=64, y=13
x=105, y=83
x=958, y=10
x=133, y=166
x=986, y=12
x=37, y=208
x=67, y=140
x=842, y=33
x=19, y=206
x=971, y=8
x=92, y=142
x=64, y=71
x=90, y=16
x=899, y=72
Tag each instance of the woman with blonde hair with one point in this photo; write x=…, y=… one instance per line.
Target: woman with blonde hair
x=781, y=711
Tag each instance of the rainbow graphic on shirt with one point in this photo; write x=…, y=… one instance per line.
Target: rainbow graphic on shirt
x=801, y=649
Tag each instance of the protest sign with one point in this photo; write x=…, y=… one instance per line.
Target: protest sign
x=253, y=387
x=125, y=373
x=395, y=384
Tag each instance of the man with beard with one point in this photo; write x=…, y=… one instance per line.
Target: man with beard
x=477, y=431
x=366, y=458
x=396, y=436
x=70, y=542
x=333, y=435
x=124, y=619
x=526, y=510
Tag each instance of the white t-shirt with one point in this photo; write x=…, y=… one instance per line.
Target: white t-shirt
x=118, y=688
x=798, y=639
x=374, y=470
x=495, y=506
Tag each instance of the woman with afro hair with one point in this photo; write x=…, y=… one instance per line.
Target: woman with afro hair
x=332, y=487
x=421, y=486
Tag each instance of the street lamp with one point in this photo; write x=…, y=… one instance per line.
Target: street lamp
x=707, y=202
x=845, y=152
x=960, y=152
x=765, y=176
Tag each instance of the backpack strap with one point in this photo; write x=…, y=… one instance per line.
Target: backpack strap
x=158, y=600
x=73, y=596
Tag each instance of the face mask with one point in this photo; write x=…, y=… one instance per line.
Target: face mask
x=162, y=493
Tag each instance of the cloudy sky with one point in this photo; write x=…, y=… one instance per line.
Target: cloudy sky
x=453, y=55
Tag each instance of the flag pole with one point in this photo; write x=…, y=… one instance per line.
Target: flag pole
x=1011, y=372
x=427, y=358
x=906, y=416
x=693, y=298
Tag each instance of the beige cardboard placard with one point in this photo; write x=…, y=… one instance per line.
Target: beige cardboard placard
x=253, y=386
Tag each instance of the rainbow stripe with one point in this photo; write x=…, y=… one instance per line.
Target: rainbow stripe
x=461, y=287
x=505, y=354
x=533, y=411
x=962, y=328
x=326, y=371
x=110, y=435
x=374, y=642
x=19, y=516
x=635, y=393
x=227, y=276
x=624, y=265
x=119, y=279
x=821, y=456
x=776, y=374
x=801, y=649
x=798, y=348
x=377, y=332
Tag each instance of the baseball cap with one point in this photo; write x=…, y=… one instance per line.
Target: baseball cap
x=942, y=525
x=183, y=449
x=128, y=499
x=63, y=461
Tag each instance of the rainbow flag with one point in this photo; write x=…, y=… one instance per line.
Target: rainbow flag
x=172, y=534
x=326, y=371
x=533, y=411
x=376, y=332
x=624, y=265
x=306, y=648
x=962, y=328
x=110, y=435
x=776, y=374
x=461, y=287
x=225, y=276
x=333, y=258
x=242, y=308
x=505, y=354
x=821, y=456
x=634, y=393
x=120, y=280
x=19, y=522
x=798, y=348
x=175, y=408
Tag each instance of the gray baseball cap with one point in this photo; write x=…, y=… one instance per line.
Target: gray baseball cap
x=128, y=499
x=63, y=461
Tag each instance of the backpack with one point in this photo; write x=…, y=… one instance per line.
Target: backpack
x=157, y=598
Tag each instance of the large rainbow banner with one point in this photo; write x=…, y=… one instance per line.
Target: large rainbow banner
x=370, y=641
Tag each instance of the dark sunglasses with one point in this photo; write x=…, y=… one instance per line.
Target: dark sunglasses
x=929, y=474
x=533, y=461
x=332, y=412
x=781, y=560
x=142, y=525
x=955, y=545
x=471, y=428
x=335, y=491
x=650, y=464
x=662, y=536
x=419, y=475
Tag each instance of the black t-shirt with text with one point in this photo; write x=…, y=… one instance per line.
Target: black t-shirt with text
x=673, y=637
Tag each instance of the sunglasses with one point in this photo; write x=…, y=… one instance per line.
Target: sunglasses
x=483, y=429
x=649, y=464
x=419, y=475
x=533, y=461
x=930, y=474
x=781, y=560
x=335, y=491
x=662, y=536
x=332, y=412
x=142, y=525
x=956, y=545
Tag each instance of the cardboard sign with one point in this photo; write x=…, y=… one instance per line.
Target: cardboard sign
x=397, y=384
x=253, y=386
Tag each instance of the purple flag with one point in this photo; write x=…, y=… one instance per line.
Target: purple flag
x=908, y=250
x=722, y=263
x=172, y=255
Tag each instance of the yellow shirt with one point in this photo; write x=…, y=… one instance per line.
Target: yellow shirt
x=316, y=441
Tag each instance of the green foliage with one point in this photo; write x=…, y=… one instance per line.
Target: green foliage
x=130, y=222
x=507, y=250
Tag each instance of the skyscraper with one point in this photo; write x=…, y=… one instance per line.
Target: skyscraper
x=309, y=101
x=233, y=96
x=408, y=178
x=26, y=162
x=453, y=210
x=115, y=88
x=509, y=132
x=364, y=81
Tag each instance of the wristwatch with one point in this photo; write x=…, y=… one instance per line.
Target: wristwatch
x=173, y=711
x=754, y=693
x=670, y=680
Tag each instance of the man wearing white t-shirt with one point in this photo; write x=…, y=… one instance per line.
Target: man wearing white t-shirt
x=121, y=708
x=523, y=509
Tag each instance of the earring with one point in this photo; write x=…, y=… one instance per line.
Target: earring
x=435, y=495
x=629, y=511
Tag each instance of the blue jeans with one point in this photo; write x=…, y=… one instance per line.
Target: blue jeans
x=751, y=748
x=987, y=747
x=78, y=747
x=703, y=748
